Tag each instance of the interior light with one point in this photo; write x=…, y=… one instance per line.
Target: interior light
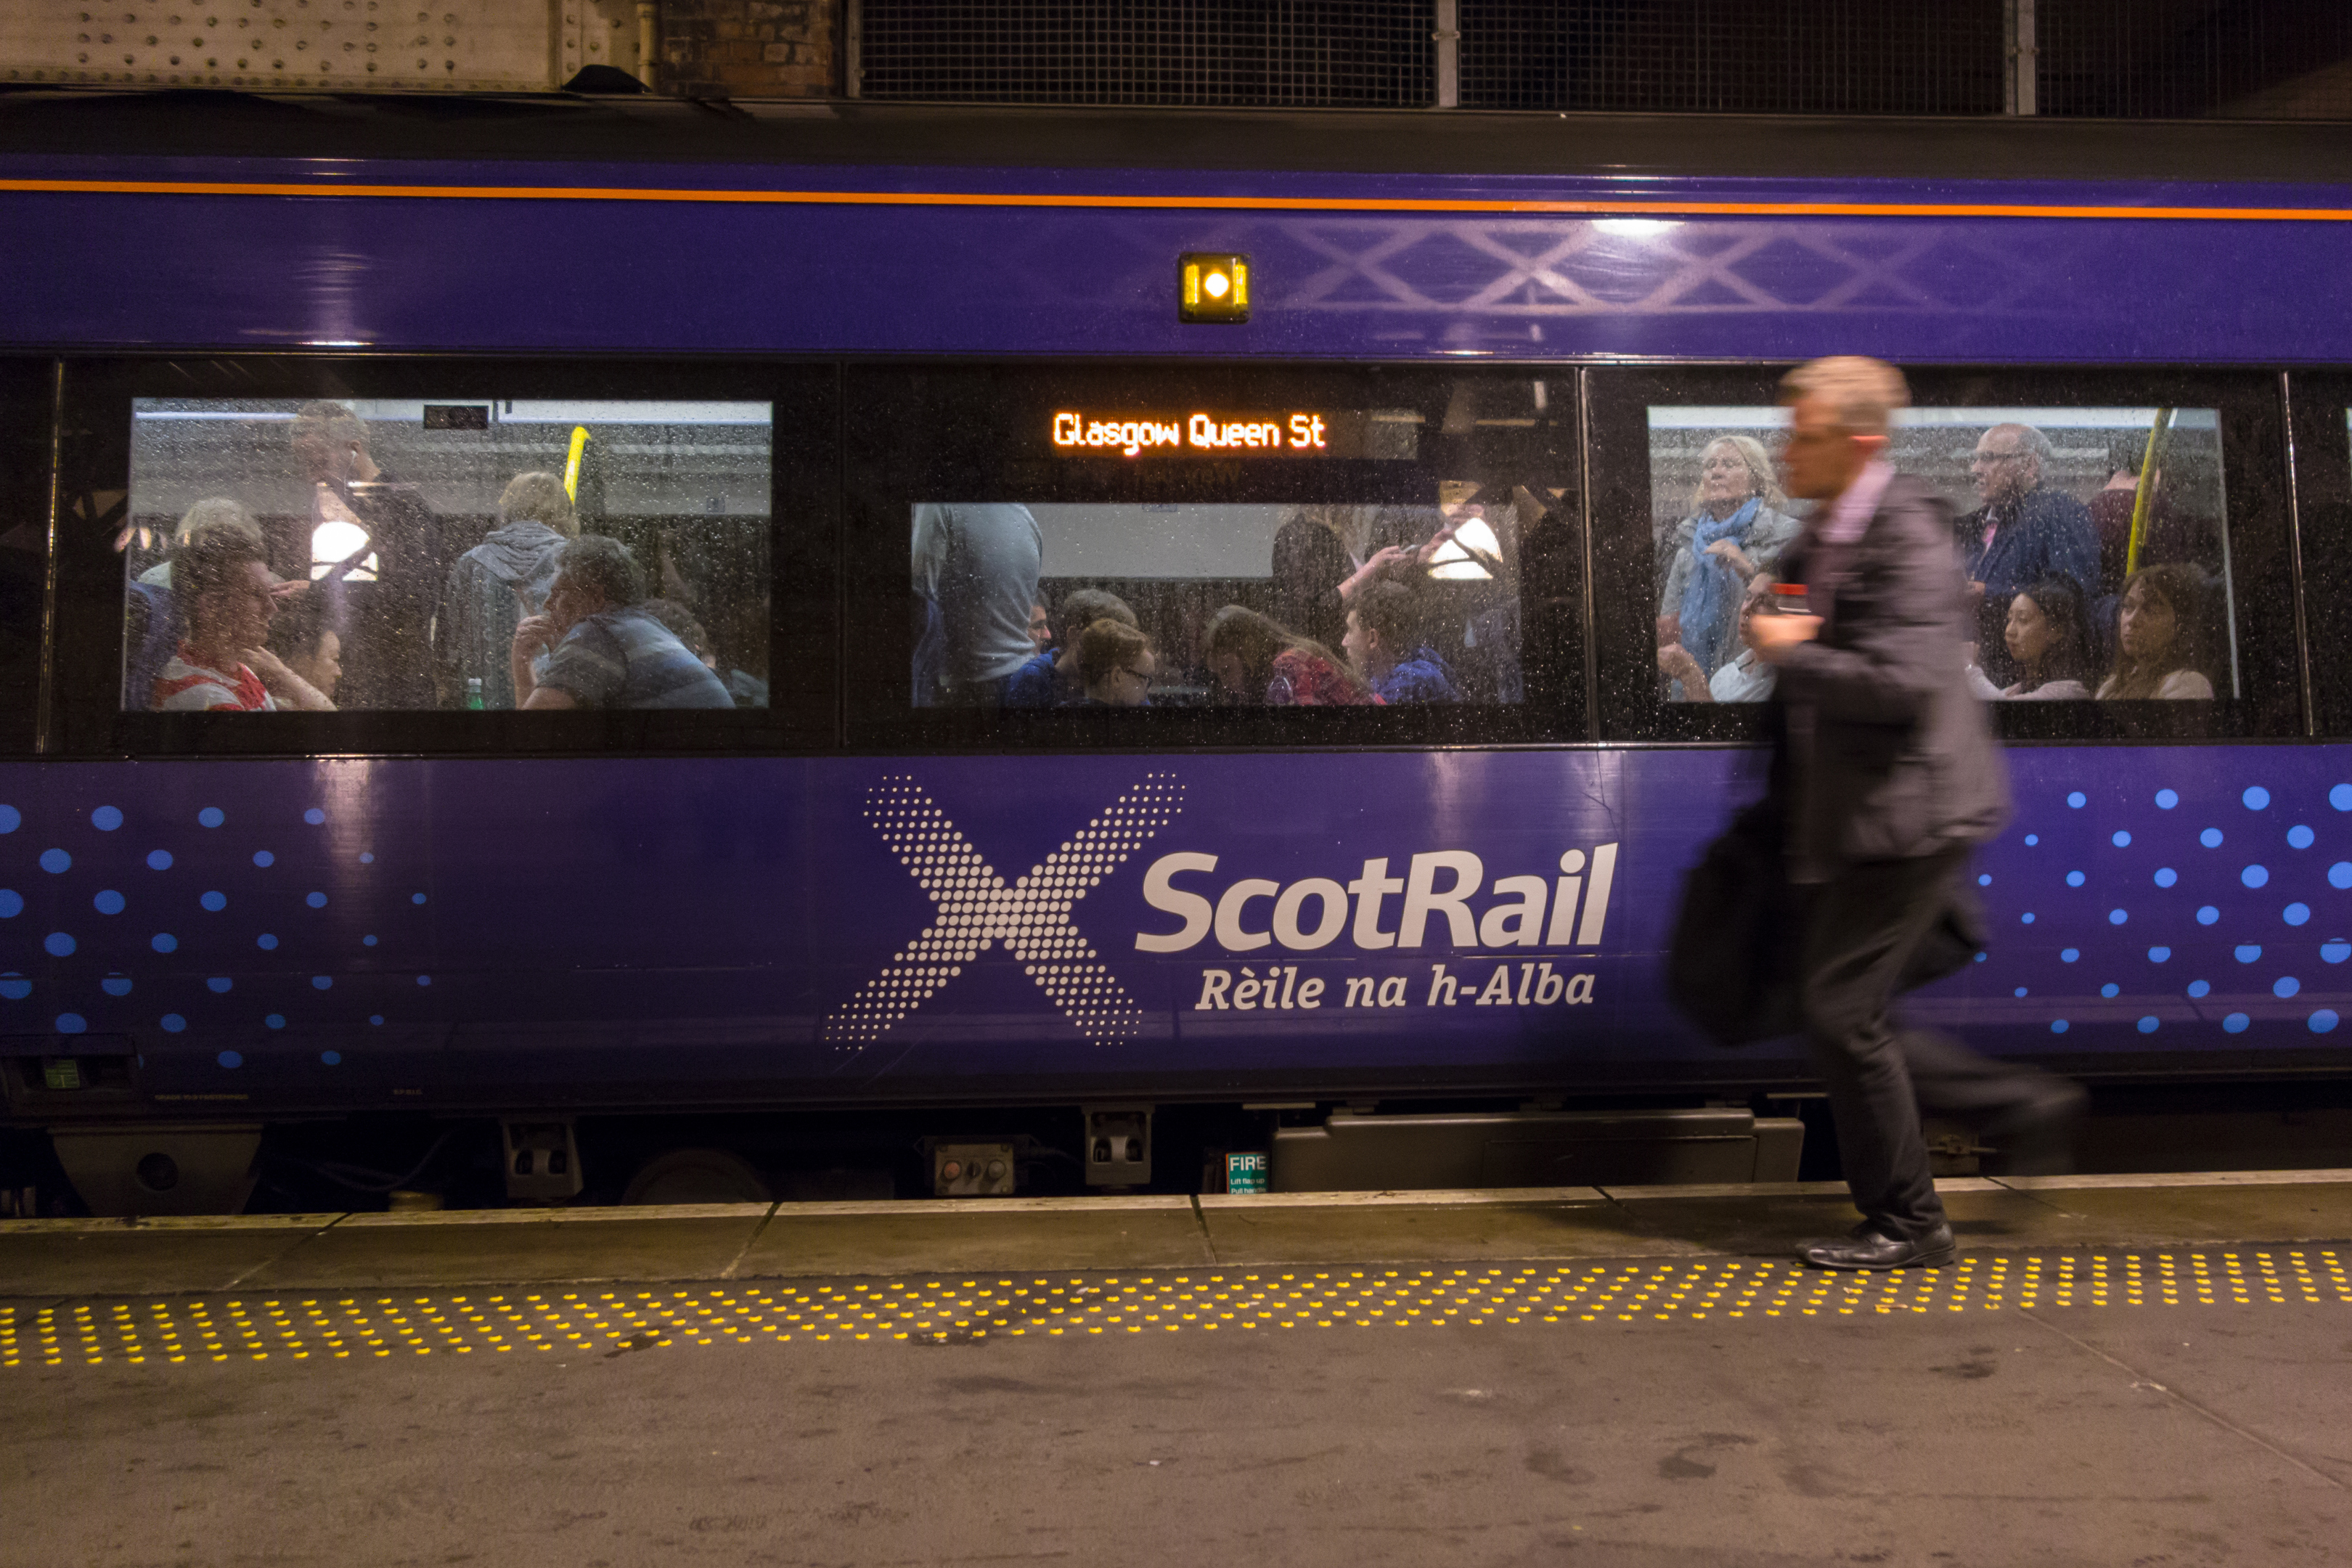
x=1634, y=226
x=1462, y=558
x=334, y=542
x=1212, y=288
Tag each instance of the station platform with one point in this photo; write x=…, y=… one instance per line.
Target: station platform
x=2118, y=1369
x=59, y=1259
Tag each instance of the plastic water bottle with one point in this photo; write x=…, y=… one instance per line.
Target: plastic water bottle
x=474, y=692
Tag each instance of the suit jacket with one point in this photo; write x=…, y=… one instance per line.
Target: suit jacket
x=1883, y=753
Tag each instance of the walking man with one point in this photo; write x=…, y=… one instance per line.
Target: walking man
x=1888, y=775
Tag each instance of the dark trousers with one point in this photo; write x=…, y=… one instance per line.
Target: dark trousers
x=1859, y=928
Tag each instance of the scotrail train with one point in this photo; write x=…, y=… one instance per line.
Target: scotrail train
x=1424, y=464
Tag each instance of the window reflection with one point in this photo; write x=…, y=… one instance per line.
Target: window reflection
x=387, y=555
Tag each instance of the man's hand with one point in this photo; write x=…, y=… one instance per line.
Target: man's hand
x=532, y=634
x=1774, y=635
x=1976, y=593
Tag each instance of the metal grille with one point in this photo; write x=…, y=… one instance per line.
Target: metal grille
x=1324, y=54
x=2240, y=60
x=1753, y=57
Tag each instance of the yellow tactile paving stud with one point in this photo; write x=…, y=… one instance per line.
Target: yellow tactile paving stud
x=614, y=1322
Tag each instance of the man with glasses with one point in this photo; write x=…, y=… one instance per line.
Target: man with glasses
x=2025, y=532
x=1115, y=662
x=1886, y=775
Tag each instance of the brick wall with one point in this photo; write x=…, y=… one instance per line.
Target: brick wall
x=749, y=48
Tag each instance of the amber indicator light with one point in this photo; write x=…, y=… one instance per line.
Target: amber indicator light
x=1212, y=287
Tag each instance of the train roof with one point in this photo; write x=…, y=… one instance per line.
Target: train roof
x=850, y=132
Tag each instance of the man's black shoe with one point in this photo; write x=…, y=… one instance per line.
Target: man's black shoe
x=1868, y=1250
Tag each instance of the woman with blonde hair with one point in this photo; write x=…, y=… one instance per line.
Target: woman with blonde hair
x=2156, y=643
x=1255, y=659
x=1737, y=527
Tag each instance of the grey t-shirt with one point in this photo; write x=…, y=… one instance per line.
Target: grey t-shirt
x=978, y=563
x=625, y=659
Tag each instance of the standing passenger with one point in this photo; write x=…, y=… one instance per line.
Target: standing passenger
x=1737, y=530
x=975, y=579
x=605, y=651
x=371, y=530
x=2025, y=532
x=493, y=585
x=1887, y=777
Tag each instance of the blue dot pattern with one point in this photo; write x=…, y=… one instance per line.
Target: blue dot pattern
x=308, y=966
x=2275, y=924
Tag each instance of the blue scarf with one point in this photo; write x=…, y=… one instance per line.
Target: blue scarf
x=1712, y=595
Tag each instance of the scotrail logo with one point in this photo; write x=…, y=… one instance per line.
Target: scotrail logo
x=974, y=908
x=1429, y=904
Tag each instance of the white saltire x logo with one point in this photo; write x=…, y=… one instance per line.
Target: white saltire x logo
x=1031, y=918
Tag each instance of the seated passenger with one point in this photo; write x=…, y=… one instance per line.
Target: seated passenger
x=225, y=597
x=2049, y=642
x=496, y=583
x=2027, y=530
x=1041, y=627
x=1252, y=658
x=605, y=651
x=1747, y=678
x=153, y=627
x=1116, y=664
x=2156, y=652
x=1737, y=530
x=1050, y=680
x=1383, y=642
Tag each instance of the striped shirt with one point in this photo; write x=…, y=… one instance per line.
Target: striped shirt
x=625, y=659
x=183, y=686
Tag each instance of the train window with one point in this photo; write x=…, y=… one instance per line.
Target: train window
x=301, y=555
x=439, y=553
x=1090, y=556
x=2093, y=538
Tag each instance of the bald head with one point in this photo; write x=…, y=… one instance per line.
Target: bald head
x=2008, y=462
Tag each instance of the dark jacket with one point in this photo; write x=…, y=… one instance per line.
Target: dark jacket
x=1883, y=753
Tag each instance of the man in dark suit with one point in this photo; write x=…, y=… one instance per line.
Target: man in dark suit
x=1889, y=775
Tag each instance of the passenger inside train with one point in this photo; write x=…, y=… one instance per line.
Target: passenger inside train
x=1304, y=606
x=2053, y=532
x=405, y=541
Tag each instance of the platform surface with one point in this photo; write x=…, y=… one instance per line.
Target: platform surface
x=2150, y=1370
